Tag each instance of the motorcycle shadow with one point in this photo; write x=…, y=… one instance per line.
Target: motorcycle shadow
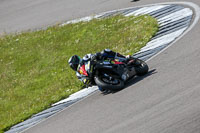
x=132, y=81
x=135, y=0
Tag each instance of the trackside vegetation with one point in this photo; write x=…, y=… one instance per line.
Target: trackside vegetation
x=33, y=65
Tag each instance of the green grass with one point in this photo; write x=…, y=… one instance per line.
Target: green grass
x=33, y=65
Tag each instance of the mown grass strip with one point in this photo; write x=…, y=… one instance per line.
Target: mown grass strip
x=33, y=66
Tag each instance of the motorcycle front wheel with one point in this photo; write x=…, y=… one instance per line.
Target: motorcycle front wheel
x=108, y=83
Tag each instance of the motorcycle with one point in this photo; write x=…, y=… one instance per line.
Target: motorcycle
x=112, y=74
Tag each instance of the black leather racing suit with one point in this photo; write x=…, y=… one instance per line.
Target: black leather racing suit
x=107, y=53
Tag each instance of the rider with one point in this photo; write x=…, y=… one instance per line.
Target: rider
x=76, y=62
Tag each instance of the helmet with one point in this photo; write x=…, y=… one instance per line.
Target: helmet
x=74, y=62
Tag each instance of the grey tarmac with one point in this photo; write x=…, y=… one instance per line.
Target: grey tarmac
x=167, y=100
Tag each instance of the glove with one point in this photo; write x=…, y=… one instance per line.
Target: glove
x=93, y=57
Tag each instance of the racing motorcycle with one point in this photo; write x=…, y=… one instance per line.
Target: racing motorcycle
x=112, y=74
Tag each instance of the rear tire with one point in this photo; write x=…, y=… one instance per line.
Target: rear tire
x=141, y=67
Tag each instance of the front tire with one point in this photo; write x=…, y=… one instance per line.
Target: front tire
x=101, y=89
x=105, y=86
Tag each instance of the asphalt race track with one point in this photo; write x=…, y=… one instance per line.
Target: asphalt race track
x=165, y=101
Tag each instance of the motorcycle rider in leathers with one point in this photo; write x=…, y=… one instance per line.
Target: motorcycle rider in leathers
x=76, y=62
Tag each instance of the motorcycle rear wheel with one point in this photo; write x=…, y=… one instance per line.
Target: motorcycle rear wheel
x=141, y=67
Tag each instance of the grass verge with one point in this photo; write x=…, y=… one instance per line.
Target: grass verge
x=33, y=66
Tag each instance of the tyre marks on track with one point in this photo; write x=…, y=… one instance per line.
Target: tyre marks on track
x=173, y=19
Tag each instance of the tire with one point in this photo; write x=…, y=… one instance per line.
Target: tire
x=141, y=67
x=101, y=89
x=105, y=86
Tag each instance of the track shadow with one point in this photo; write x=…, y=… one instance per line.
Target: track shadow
x=132, y=81
x=135, y=0
x=139, y=78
